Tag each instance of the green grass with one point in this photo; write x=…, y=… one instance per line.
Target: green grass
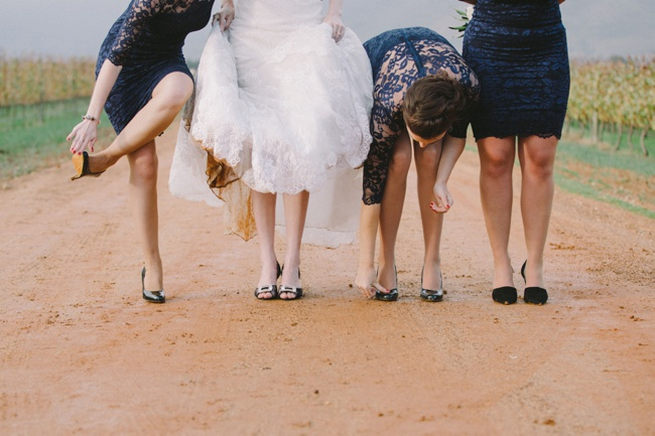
x=588, y=190
x=604, y=158
x=34, y=136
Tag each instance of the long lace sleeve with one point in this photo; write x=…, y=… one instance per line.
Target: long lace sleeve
x=140, y=12
x=385, y=129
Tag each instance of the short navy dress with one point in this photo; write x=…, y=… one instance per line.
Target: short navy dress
x=518, y=50
x=147, y=41
x=398, y=59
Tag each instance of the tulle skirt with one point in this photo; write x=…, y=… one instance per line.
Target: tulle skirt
x=285, y=106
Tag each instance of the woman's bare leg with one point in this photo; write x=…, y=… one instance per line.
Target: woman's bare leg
x=264, y=211
x=168, y=98
x=537, y=157
x=366, y=279
x=427, y=163
x=496, y=165
x=295, y=212
x=143, y=196
x=392, y=208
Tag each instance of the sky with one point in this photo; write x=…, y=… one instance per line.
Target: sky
x=60, y=28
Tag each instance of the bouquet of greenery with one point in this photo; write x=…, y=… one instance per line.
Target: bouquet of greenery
x=465, y=17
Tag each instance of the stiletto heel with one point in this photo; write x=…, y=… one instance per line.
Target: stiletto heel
x=151, y=296
x=81, y=164
x=430, y=295
x=533, y=294
x=392, y=295
x=271, y=289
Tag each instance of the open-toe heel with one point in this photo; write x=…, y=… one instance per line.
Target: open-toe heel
x=81, y=164
x=297, y=292
x=270, y=289
x=151, y=296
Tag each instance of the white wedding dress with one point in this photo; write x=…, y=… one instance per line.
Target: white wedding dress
x=287, y=108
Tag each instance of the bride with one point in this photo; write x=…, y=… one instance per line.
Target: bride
x=282, y=105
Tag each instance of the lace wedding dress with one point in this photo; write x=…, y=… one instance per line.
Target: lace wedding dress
x=279, y=107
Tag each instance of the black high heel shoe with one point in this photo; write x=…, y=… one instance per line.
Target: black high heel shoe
x=81, y=164
x=504, y=295
x=272, y=289
x=297, y=292
x=533, y=294
x=430, y=295
x=392, y=295
x=151, y=296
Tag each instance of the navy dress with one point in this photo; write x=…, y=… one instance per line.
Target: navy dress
x=147, y=41
x=399, y=58
x=518, y=50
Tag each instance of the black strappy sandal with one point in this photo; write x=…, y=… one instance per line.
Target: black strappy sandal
x=533, y=294
x=151, y=296
x=392, y=295
x=297, y=292
x=81, y=164
x=272, y=289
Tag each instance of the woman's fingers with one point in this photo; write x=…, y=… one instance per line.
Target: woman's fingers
x=439, y=208
x=337, y=31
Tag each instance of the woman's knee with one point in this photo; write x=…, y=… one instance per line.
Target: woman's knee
x=540, y=159
x=400, y=162
x=427, y=159
x=496, y=162
x=144, y=167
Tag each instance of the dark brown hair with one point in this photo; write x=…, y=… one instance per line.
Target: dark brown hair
x=432, y=104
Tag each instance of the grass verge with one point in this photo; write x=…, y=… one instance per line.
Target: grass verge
x=34, y=136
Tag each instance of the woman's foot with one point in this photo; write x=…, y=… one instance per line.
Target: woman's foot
x=430, y=292
x=534, y=294
x=83, y=166
x=504, y=291
x=388, y=279
x=148, y=294
x=431, y=276
x=291, y=288
x=267, y=286
x=154, y=278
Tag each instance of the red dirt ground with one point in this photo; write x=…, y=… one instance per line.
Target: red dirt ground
x=81, y=352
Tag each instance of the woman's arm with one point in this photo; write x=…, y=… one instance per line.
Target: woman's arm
x=333, y=18
x=84, y=134
x=451, y=151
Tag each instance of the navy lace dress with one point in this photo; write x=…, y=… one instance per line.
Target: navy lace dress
x=518, y=50
x=399, y=58
x=147, y=42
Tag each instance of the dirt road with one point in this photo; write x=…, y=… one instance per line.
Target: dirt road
x=81, y=352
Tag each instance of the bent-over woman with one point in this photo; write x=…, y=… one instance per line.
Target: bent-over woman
x=423, y=94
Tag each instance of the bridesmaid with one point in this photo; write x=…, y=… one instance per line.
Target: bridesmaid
x=142, y=80
x=518, y=50
x=423, y=95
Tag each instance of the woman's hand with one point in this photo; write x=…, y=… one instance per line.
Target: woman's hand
x=366, y=281
x=443, y=200
x=225, y=16
x=338, y=29
x=82, y=136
